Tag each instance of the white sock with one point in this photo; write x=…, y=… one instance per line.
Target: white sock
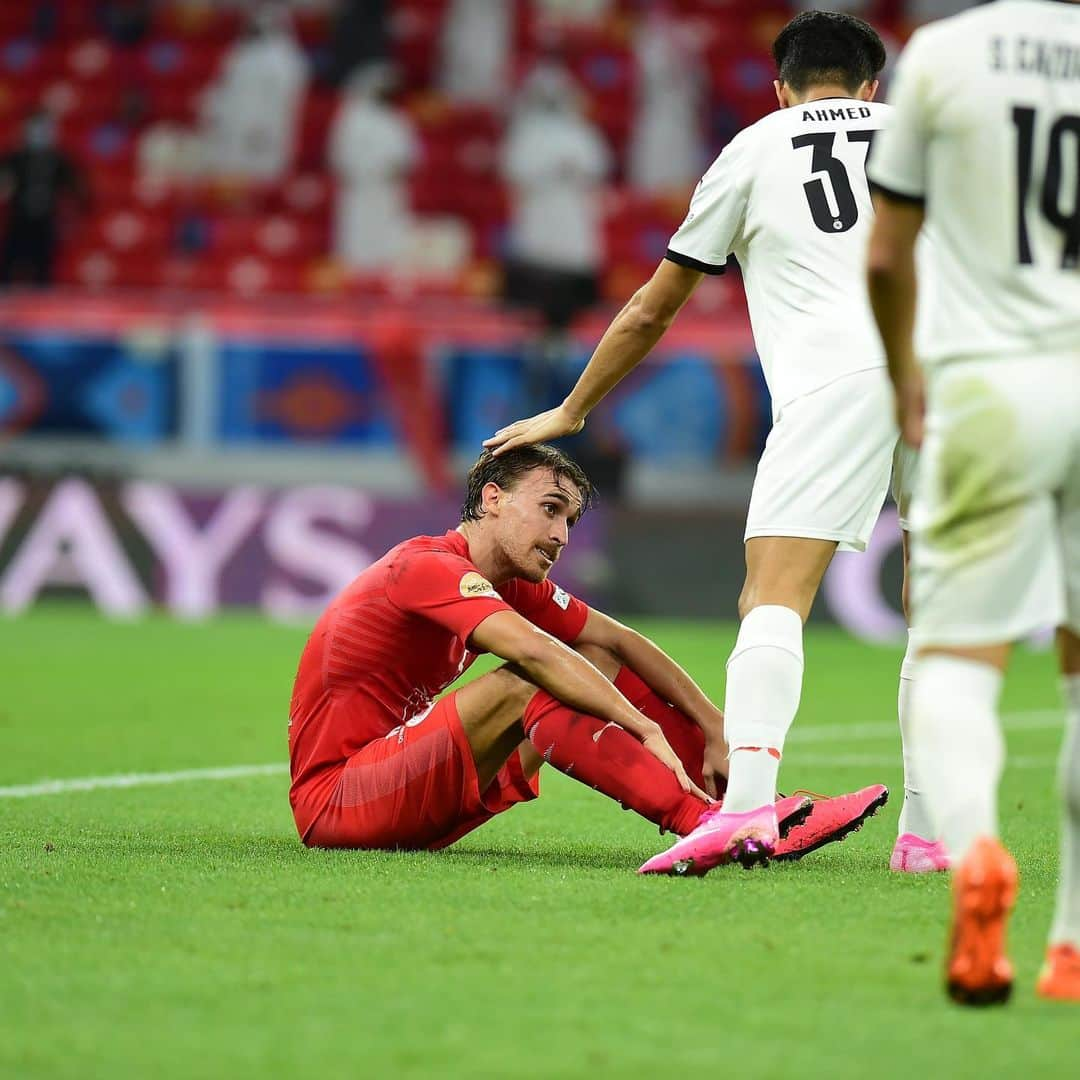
x=1066, y=927
x=751, y=780
x=958, y=746
x=764, y=683
x=915, y=813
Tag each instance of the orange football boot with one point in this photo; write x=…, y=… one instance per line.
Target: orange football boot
x=1060, y=976
x=984, y=892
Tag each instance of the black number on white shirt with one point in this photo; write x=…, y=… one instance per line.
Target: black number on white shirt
x=822, y=161
x=1067, y=220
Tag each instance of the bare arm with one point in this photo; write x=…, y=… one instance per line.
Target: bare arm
x=632, y=334
x=659, y=671
x=893, y=288
x=626, y=342
x=560, y=670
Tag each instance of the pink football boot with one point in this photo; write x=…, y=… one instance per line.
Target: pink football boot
x=792, y=810
x=748, y=839
x=913, y=855
x=832, y=819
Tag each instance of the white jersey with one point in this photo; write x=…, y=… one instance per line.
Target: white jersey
x=986, y=131
x=789, y=198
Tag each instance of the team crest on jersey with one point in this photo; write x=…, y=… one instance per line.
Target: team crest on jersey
x=474, y=584
x=561, y=598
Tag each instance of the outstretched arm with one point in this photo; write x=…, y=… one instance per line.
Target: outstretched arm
x=626, y=342
x=567, y=675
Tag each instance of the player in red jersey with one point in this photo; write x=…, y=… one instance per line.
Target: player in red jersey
x=378, y=760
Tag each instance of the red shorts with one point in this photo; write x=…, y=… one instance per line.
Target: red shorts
x=416, y=788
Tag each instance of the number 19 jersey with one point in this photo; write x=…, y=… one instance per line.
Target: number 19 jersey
x=789, y=198
x=986, y=132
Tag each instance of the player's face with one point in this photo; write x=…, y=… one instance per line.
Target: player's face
x=535, y=522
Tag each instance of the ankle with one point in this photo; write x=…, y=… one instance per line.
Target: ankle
x=752, y=779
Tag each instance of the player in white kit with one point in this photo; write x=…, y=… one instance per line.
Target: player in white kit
x=788, y=197
x=984, y=144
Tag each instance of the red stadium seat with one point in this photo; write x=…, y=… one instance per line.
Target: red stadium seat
x=263, y=239
x=415, y=30
x=128, y=232
x=274, y=236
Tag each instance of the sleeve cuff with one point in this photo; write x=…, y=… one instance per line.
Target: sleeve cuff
x=897, y=196
x=680, y=259
x=466, y=631
x=584, y=617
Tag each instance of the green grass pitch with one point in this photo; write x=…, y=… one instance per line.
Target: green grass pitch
x=181, y=930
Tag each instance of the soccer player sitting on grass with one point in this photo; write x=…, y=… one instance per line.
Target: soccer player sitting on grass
x=378, y=760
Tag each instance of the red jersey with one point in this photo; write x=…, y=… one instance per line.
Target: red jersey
x=396, y=638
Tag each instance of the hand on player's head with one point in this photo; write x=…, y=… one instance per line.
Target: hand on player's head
x=543, y=427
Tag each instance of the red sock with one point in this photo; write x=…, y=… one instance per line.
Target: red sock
x=611, y=760
x=685, y=737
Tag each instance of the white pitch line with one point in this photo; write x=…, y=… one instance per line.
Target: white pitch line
x=881, y=761
x=127, y=780
x=1038, y=720
x=1035, y=720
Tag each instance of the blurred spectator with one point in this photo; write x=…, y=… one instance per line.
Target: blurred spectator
x=372, y=149
x=169, y=152
x=36, y=177
x=666, y=144
x=359, y=37
x=125, y=21
x=476, y=50
x=250, y=114
x=555, y=161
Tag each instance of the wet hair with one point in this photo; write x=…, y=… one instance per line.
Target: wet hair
x=821, y=47
x=508, y=469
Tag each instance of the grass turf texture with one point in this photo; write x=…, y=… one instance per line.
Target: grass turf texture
x=182, y=930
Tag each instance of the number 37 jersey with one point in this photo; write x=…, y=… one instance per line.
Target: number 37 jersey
x=986, y=132
x=789, y=198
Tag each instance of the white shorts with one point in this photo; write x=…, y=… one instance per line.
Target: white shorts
x=996, y=515
x=826, y=466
